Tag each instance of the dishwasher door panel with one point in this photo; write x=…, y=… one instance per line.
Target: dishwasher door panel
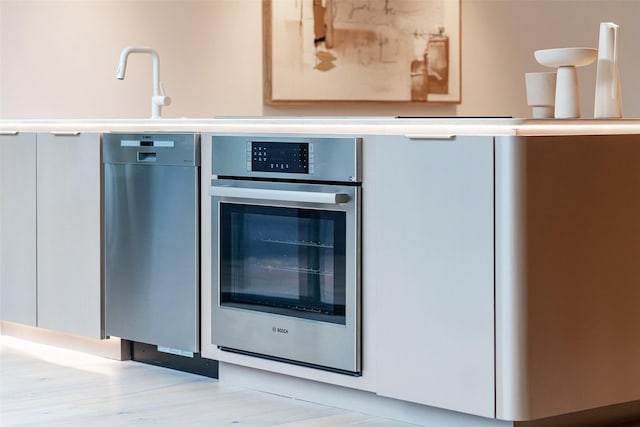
x=151, y=254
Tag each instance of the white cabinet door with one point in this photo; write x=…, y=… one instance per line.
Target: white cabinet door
x=430, y=205
x=69, y=234
x=18, y=228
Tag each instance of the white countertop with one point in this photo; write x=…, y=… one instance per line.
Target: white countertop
x=412, y=127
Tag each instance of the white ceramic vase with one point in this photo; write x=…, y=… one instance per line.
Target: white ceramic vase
x=608, y=97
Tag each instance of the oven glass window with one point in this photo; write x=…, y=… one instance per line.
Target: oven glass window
x=285, y=261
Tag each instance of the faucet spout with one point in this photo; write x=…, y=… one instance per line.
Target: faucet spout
x=159, y=98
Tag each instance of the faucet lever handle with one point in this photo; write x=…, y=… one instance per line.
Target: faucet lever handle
x=162, y=99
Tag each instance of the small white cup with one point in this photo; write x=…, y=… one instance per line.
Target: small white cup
x=541, y=93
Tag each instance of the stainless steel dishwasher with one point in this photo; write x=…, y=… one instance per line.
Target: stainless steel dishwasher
x=151, y=237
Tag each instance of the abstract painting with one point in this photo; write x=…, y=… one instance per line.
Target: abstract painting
x=362, y=50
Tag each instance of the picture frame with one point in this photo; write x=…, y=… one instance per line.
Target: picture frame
x=361, y=50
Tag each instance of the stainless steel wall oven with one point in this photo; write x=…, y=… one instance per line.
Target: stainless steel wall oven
x=286, y=249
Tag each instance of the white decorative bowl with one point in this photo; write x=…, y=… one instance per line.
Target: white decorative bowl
x=566, y=56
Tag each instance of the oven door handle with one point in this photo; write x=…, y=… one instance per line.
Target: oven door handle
x=280, y=195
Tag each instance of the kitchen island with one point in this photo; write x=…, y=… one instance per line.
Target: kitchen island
x=498, y=266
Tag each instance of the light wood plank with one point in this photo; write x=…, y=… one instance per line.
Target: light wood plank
x=42, y=385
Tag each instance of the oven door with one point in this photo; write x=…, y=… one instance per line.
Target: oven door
x=286, y=271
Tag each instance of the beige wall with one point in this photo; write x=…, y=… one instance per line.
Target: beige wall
x=58, y=58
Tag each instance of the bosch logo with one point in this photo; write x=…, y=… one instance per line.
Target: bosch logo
x=279, y=330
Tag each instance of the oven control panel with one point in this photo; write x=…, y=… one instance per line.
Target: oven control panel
x=281, y=157
x=287, y=157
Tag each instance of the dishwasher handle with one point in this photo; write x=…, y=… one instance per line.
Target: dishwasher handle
x=280, y=195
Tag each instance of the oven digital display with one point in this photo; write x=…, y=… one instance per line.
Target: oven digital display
x=283, y=157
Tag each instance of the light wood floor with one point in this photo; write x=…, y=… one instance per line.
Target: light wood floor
x=46, y=386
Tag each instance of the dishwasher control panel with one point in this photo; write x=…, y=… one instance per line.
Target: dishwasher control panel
x=169, y=149
x=146, y=143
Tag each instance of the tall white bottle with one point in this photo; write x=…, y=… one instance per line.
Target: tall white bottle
x=608, y=99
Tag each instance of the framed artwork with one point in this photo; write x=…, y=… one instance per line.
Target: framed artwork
x=361, y=50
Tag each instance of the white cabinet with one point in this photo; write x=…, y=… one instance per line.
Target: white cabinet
x=69, y=233
x=50, y=232
x=18, y=228
x=428, y=220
